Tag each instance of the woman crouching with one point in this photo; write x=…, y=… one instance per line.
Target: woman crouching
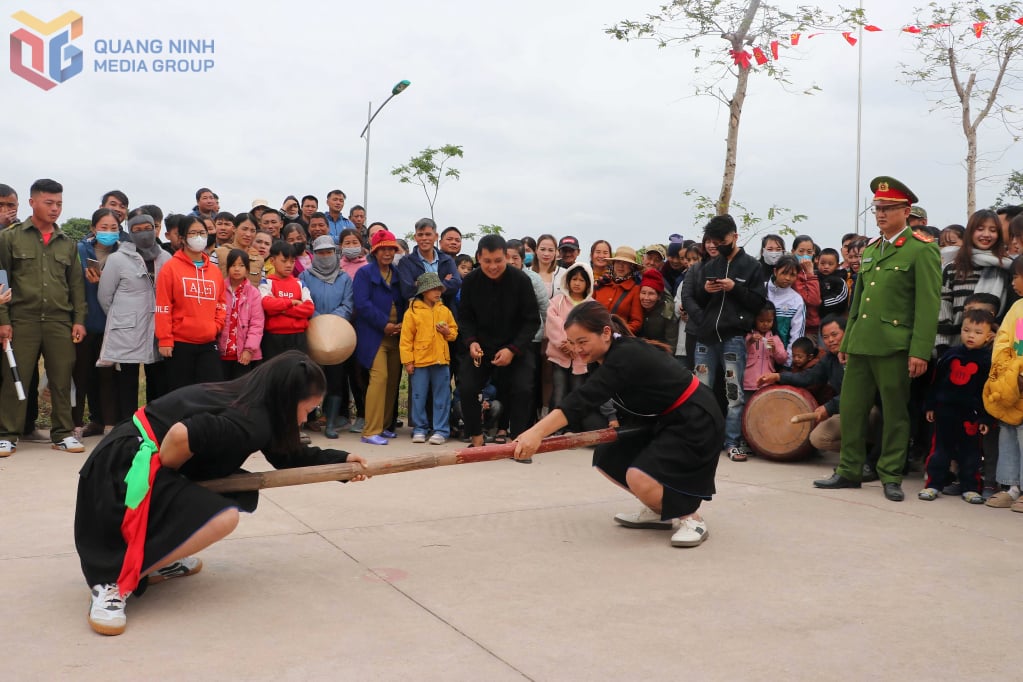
x=140, y=514
x=670, y=467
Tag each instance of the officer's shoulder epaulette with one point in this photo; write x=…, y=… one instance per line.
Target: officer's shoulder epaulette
x=926, y=239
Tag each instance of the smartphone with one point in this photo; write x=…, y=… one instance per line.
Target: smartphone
x=3, y=279
x=92, y=263
x=712, y=279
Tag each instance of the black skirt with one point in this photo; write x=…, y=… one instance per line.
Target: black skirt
x=178, y=508
x=680, y=451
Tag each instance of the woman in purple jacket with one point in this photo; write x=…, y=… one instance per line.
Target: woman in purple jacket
x=379, y=307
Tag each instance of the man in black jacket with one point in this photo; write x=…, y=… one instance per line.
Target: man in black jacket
x=497, y=319
x=728, y=292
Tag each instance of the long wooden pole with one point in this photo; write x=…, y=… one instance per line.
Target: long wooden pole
x=427, y=460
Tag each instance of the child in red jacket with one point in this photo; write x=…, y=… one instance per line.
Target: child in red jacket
x=190, y=310
x=287, y=303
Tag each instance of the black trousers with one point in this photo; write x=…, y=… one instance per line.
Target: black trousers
x=193, y=363
x=514, y=385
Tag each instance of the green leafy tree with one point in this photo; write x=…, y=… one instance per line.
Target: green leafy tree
x=776, y=219
x=76, y=228
x=483, y=230
x=701, y=25
x=1013, y=191
x=429, y=169
x=976, y=78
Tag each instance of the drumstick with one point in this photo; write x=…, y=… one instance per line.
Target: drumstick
x=18, y=386
x=344, y=472
x=804, y=417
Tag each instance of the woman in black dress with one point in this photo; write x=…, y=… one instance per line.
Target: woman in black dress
x=670, y=467
x=140, y=515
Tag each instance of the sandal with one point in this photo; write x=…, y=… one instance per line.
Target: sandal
x=737, y=455
x=501, y=438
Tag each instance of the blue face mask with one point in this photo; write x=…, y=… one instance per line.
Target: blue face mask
x=107, y=238
x=529, y=259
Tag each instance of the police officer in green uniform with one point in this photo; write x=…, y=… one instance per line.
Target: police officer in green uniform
x=888, y=339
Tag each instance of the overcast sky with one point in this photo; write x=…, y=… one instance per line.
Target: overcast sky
x=565, y=130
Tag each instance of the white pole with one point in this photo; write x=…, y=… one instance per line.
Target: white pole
x=365, y=177
x=859, y=124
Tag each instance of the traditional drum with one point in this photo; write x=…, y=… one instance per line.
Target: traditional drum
x=768, y=426
x=331, y=339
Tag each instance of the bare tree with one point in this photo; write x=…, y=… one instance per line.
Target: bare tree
x=971, y=58
x=742, y=24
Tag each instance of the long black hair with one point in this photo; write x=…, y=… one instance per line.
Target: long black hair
x=593, y=317
x=279, y=385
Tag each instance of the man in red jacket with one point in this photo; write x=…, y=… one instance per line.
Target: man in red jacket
x=191, y=307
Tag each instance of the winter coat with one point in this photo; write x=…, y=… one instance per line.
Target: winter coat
x=336, y=299
x=809, y=288
x=1002, y=398
x=661, y=323
x=724, y=314
x=127, y=295
x=251, y=320
x=561, y=305
x=353, y=266
x=95, y=317
x=621, y=299
x=790, y=315
x=543, y=303
x=411, y=266
x=420, y=342
x=373, y=300
x=760, y=361
x=282, y=315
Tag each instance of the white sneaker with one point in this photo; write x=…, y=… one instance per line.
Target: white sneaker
x=644, y=518
x=69, y=444
x=418, y=437
x=690, y=533
x=437, y=439
x=182, y=568
x=107, y=613
x=7, y=448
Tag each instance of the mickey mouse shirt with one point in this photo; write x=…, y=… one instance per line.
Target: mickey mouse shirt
x=959, y=377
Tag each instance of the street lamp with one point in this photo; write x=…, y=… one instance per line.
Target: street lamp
x=370, y=115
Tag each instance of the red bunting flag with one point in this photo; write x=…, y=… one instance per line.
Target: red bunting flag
x=740, y=58
x=774, y=49
x=911, y=29
x=978, y=28
x=939, y=26
x=871, y=28
x=759, y=55
x=795, y=39
x=849, y=38
x=1020, y=21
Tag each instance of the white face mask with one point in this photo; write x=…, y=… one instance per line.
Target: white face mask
x=772, y=257
x=197, y=243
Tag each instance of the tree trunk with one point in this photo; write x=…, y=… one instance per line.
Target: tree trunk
x=732, y=143
x=971, y=171
x=738, y=41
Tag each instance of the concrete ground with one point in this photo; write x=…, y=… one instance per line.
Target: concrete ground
x=504, y=571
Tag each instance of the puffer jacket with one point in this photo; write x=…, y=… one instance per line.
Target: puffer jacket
x=127, y=295
x=561, y=306
x=1002, y=398
x=420, y=341
x=622, y=299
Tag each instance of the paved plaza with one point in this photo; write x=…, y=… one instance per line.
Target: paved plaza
x=503, y=571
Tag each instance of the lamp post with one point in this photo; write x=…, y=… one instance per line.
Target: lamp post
x=370, y=115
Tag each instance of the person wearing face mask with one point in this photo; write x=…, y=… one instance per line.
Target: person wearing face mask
x=727, y=293
x=191, y=307
x=89, y=380
x=333, y=294
x=772, y=247
x=127, y=294
x=291, y=212
x=295, y=234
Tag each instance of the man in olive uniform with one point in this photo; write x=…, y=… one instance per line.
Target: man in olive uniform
x=45, y=316
x=888, y=339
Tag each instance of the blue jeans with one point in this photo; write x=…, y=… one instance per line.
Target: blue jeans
x=1010, y=446
x=731, y=353
x=431, y=383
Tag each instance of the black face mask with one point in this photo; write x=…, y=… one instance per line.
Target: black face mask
x=726, y=249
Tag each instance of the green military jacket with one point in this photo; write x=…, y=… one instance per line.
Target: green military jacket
x=896, y=300
x=46, y=279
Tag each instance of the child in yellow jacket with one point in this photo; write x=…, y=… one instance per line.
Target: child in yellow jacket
x=426, y=330
x=1003, y=399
